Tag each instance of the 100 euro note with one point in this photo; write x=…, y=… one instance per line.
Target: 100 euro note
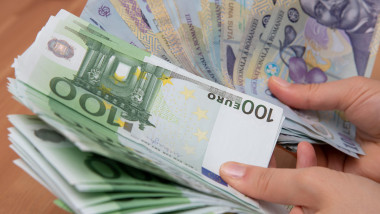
x=174, y=116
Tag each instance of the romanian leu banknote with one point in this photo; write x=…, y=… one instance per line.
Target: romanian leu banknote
x=179, y=22
x=153, y=18
x=130, y=12
x=185, y=16
x=310, y=42
x=210, y=18
x=255, y=25
x=235, y=15
x=151, y=103
x=102, y=14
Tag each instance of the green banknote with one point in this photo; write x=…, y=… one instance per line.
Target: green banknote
x=106, y=202
x=57, y=184
x=79, y=167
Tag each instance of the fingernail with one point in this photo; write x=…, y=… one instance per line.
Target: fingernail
x=233, y=170
x=281, y=82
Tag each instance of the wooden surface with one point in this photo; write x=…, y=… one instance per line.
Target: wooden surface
x=20, y=22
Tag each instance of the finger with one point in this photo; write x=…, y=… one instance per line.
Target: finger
x=285, y=186
x=325, y=96
x=306, y=156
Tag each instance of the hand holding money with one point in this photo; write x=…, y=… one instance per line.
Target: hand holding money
x=314, y=188
x=359, y=98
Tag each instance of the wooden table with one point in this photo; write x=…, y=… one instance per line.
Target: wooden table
x=20, y=22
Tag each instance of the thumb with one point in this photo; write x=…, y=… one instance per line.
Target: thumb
x=285, y=186
x=306, y=156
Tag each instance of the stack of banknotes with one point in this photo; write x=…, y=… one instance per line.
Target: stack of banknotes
x=139, y=102
x=86, y=182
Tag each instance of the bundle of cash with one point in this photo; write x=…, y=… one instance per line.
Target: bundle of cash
x=176, y=88
x=122, y=103
x=89, y=183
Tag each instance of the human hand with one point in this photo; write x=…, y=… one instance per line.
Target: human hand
x=359, y=99
x=311, y=189
x=318, y=189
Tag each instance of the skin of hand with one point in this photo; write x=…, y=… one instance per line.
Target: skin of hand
x=343, y=184
x=359, y=99
x=311, y=190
